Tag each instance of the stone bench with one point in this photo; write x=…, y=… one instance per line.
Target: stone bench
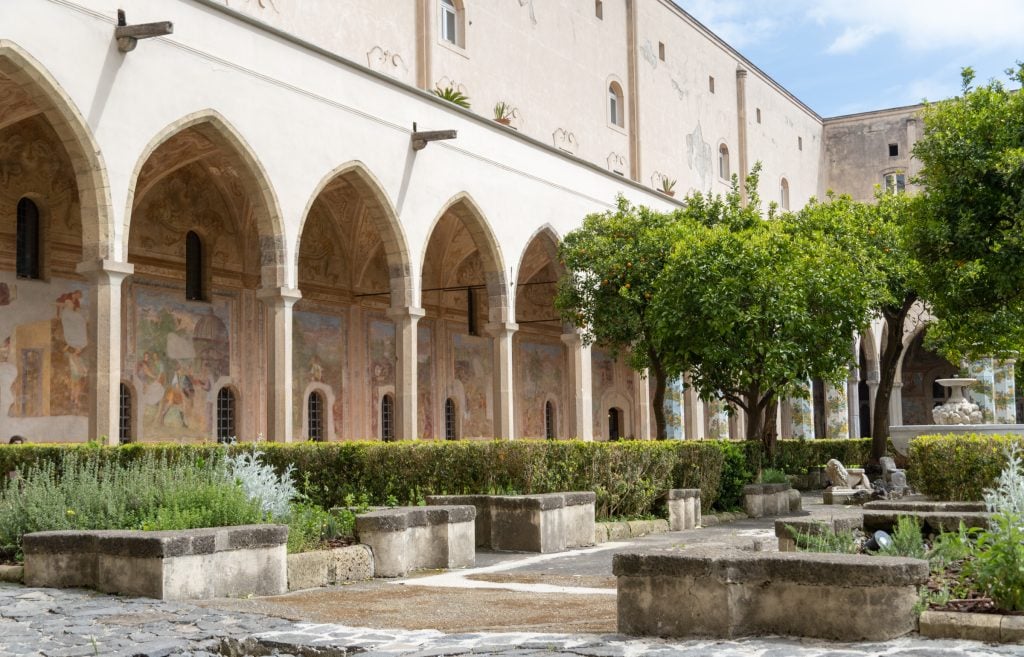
x=914, y=506
x=932, y=522
x=410, y=538
x=787, y=530
x=719, y=593
x=169, y=565
x=549, y=522
x=760, y=500
x=683, y=508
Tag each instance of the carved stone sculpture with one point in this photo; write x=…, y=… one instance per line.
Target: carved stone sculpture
x=840, y=477
x=958, y=410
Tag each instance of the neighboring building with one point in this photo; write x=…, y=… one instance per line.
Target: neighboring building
x=230, y=230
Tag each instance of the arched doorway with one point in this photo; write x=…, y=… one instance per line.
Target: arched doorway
x=465, y=298
x=203, y=235
x=352, y=267
x=540, y=353
x=920, y=393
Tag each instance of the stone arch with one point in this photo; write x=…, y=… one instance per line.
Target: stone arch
x=256, y=184
x=328, y=419
x=465, y=209
x=45, y=94
x=615, y=399
x=384, y=218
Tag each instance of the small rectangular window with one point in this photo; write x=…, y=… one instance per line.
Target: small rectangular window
x=799, y=143
x=711, y=84
x=894, y=150
x=599, y=9
x=661, y=51
x=758, y=112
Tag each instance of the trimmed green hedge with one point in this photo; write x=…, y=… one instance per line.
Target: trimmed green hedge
x=958, y=467
x=628, y=476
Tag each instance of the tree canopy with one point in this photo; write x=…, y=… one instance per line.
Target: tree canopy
x=969, y=236
x=611, y=264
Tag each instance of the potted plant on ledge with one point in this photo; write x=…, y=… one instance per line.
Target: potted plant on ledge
x=504, y=113
x=668, y=186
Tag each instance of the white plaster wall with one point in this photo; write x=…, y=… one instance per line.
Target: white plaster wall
x=302, y=116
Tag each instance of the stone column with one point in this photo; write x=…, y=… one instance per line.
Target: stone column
x=983, y=393
x=741, y=129
x=581, y=383
x=642, y=386
x=895, y=404
x=406, y=371
x=279, y=302
x=853, y=407
x=1005, y=392
x=105, y=278
x=504, y=382
x=693, y=412
x=837, y=415
x=717, y=414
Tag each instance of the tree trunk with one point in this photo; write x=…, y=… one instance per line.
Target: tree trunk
x=658, y=400
x=895, y=317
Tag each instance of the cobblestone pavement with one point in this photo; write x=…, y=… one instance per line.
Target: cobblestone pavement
x=72, y=623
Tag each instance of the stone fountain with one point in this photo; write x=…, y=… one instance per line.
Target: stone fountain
x=959, y=415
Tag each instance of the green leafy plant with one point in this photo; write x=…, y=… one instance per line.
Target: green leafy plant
x=452, y=95
x=773, y=476
x=907, y=540
x=668, y=185
x=504, y=113
x=824, y=539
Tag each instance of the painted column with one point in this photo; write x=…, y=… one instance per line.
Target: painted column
x=801, y=417
x=717, y=413
x=837, y=412
x=581, y=382
x=105, y=278
x=279, y=302
x=675, y=412
x=406, y=371
x=983, y=392
x=504, y=382
x=1005, y=392
x=642, y=386
x=693, y=412
x=895, y=404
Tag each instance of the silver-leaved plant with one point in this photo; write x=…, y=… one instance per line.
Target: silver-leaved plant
x=261, y=482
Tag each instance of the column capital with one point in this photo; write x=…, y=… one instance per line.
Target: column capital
x=573, y=338
x=105, y=271
x=283, y=295
x=405, y=312
x=497, y=329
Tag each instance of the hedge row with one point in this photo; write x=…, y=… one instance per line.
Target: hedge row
x=958, y=467
x=628, y=476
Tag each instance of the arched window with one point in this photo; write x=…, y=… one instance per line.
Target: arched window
x=549, y=420
x=723, y=162
x=28, y=239
x=226, y=415
x=784, y=194
x=315, y=413
x=193, y=267
x=616, y=107
x=449, y=419
x=124, y=417
x=614, y=423
x=452, y=27
x=895, y=183
x=387, y=418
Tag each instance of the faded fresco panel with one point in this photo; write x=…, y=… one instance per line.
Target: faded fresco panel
x=473, y=384
x=380, y=339
x=181, y=349
x=45, y=359
x=603, y=380
x=318, y=358
x=541, y=368
x=424, y=379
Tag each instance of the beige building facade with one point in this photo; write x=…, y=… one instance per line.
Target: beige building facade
x=237, y=229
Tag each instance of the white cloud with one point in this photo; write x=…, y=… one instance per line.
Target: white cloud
x=734, y=21
x=922, y=24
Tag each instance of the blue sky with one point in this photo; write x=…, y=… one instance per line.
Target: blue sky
x=846, y=56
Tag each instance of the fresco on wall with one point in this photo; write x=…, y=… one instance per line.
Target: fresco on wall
x=602, y=374
x=471, y=359
x=181, y=349
x=318, y=357
x=540, y=371
x=45, y=359
x=674, y=429
x=424, y=379
x=381, y=367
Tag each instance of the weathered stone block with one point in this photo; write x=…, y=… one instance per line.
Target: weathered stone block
x=710, y=592
x=308, y=570
x=786, y=530
x=683, y=508
x=403, y=539
x=760, y=500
